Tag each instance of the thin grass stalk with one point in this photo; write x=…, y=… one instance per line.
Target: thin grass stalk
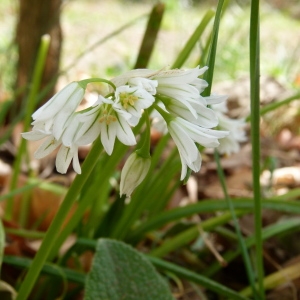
x=189, y=46
x=53, y=232
x=280, y=228
x=209, y=74
x=279, y=278
x=244, y=251
x=190, y=234
x=194, y=277
x=210, y=206
x=272, y=106
x=209, y=79
x=149, y=39
x=160, y=194
x=255, y=139
x=30, y=106
x=48, y=268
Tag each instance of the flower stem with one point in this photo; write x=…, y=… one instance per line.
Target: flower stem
x=241, y=240
x=144, y=150
x=255, y=139
x=85, y=82
x=55, y=227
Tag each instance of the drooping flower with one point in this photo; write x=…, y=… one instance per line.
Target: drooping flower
x=56, y=113
x=51, y=121
x=178, y=83
x=185, y=135
x=236, y=128
x=68, y=147
x=133, y=173
x=204, y=117
x=106, y=121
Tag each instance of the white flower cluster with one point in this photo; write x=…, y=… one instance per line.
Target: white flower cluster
x=174, y=94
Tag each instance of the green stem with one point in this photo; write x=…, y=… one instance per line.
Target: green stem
x=255, y=139
x=209, y=74
x=241, y=240
x=56, y=225
x=85, y=82
x=31, y=102
x=144, y=150
x=193, y=40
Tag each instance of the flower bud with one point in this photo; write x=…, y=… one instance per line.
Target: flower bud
x=133, y=173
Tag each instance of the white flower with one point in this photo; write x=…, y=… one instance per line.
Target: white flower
x=235, y=127
x=147, y=84
x=64, y=157
x=108, y=122
x=182, y=87
x=56, y=113
x=133, y=173
x=137, y=77
x=203, y=116
x=215, y=99
x=132, y=100
x=185, y=134
x=68, y=148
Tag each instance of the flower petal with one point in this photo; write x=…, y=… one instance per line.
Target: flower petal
x=108, y=136
x=184, y=143
x=124, y=133
x=63, y=159
x=56, y=103
x=76, y=164
x=46, y=147
x=34, y=135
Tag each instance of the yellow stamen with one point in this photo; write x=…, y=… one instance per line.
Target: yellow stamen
x=127, y=99
x=107, y=118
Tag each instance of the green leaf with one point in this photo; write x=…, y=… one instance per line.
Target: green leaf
x=121, y=272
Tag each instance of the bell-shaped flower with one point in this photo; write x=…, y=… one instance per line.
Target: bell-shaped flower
x=181, y=84
x=195, y=112
x=185, y=135
x=236, y=128
x=132, y=100
x=133, y=173
x=55, y=114
x=68, y=148
x=107, y=121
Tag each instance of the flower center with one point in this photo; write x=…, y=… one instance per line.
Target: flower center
x=107, y=117
x=127, y=99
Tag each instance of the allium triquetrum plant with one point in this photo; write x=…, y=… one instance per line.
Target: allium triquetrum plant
x=180, y=103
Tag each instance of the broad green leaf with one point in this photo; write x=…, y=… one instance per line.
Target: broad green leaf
x=120, y=272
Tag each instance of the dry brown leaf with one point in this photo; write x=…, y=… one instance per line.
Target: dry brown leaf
x=43, y=206
x=238, y=184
